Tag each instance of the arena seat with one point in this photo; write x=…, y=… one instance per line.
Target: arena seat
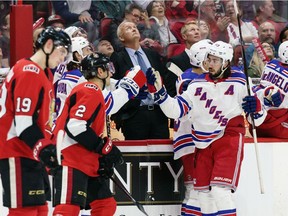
x=104, y=26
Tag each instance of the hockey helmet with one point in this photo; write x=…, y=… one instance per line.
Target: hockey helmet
x=59, y=37
x=92, y=62
x=78, y=43
x=221, y=50
x=283, y=52
x=198, y=52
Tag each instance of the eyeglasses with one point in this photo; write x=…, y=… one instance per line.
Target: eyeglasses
x=136, y=16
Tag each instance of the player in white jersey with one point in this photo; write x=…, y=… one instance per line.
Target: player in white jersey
x=272, y=117
x=182, y=138
x=214, y=100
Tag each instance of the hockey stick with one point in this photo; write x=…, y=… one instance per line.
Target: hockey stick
x=139, y=206
x=174, y=68
x=249, y=93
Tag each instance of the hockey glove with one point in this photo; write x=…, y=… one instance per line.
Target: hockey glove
x=133, y=81
x=143, y=93
x=154, y=80
x=273, y=96
x=105, y=169
x=251, y=104
x=45, y=152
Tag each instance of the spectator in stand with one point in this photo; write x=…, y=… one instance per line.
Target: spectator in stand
x=283, y=35
x=111, y=9
x=264, y=12
x=5, y=40
x=266, y=33
x=150, y=37
x=140, y=118
x=248, y=30
x=190, y=34
x=105, y=47
x=257, y=65
x=177, y=10
x=204, y=29
x=79, y=13
x=156, y=13
x=56, y=21
x=218, y=26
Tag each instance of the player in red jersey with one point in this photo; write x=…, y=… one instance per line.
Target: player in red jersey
x=77, y=182
x=26, y=107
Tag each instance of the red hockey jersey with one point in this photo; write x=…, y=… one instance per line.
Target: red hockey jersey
x=26, y=98
x=84, y=107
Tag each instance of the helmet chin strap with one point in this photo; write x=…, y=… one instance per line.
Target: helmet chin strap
x=104, y=80
x=47, y=55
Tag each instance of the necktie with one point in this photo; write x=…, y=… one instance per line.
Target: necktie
x=141, y=61
x=149, y=100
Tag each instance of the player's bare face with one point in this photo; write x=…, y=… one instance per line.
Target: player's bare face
x=214, y=65
x=58, y=56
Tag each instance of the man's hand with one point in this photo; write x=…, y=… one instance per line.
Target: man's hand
x=251, y=104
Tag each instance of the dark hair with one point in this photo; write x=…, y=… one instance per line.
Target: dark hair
x=130, y=7
x=149, y=8
x=282, y=34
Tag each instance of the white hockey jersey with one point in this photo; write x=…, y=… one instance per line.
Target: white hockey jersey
x=182, y=138
x=114, y=98
x=212, y=105
x=274, y=74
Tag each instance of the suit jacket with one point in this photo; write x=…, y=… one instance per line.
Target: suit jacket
x=122, y=63
x=183, y=62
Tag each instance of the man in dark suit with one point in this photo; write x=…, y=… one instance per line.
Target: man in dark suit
x=191, y=34
x=140, y=118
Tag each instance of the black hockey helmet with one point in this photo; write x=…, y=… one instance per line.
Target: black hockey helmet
x=92, y=62
x=59, y=37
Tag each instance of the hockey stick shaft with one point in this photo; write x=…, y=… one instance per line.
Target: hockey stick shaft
x=254, y=134
x=139, y=206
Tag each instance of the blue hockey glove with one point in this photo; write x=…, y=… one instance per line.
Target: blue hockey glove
x=251, y=104
x=143, y=93
x=273, y=96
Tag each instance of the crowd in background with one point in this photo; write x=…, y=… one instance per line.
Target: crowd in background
x=160, y=22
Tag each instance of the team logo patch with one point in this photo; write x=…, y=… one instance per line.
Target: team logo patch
x=93, y=86
x=31, y=68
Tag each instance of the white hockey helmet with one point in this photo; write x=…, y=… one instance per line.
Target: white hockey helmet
x=222, y=50
x=71, y=30
x=283, y=52
x=78, y=43
x=198, y=52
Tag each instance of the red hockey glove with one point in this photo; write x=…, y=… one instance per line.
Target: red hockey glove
x=45, y=152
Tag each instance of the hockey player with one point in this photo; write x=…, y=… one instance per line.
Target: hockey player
x=73, y=76
x=26, y=107
x=182, y=138
x=77, y=181
x=271, y=118
x=215, y=101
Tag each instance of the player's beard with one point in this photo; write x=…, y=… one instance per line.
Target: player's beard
x=214, y=75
